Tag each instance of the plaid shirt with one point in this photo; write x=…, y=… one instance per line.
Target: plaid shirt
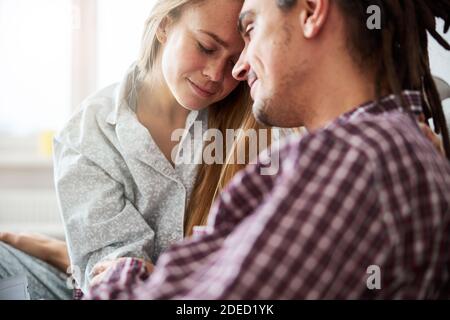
x=366, y=196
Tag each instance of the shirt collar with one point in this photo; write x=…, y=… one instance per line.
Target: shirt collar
x=412, y=103
x=125, y=95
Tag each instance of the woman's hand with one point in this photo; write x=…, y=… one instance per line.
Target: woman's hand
x=51, y=251
x=102, y=268
x=433, y=137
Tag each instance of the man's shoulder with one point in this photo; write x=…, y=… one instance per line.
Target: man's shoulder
x=391, y=136
x=381, y=135
x=378, y=139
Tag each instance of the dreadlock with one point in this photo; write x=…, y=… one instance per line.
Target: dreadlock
x=398, y=52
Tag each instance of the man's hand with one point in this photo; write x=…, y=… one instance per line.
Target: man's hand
x=51, y=251
x=101, y=269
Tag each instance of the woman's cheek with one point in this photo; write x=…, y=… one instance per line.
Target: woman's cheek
x=229, y=85
x=192, y=61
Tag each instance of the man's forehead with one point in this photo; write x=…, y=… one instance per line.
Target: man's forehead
x=254, y=5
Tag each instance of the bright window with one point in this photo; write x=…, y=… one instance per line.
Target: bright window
x=54, y=53
x=120, y=29
x=35, y=64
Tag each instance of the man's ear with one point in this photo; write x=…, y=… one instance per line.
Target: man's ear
x=313, y=15
x=163, y=29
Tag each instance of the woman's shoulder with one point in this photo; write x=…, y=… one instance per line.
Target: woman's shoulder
x=90, y=120
x=98, y=105
x=104, y=97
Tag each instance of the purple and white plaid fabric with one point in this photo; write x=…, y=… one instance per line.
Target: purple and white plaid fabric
x=367, y=190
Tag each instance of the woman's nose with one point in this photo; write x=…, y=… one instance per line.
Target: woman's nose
x=215, y=71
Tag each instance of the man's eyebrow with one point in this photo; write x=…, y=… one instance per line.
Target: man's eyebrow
x=223, y=43
x=242, y=17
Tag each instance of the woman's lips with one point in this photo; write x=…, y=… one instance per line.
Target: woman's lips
x=201, y=91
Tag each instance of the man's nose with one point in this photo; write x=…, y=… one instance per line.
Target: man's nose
x=241, y=69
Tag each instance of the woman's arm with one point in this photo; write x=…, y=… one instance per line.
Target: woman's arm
x=101, y=223
x=49, y=250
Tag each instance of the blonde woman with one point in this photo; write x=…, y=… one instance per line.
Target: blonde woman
x=120, y=191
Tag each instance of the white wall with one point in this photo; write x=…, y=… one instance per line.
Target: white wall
x=439, y=57
x=120, y=27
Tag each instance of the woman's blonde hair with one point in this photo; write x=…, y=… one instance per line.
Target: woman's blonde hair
x=211, y=179
x=234, y=112
x=151, y=45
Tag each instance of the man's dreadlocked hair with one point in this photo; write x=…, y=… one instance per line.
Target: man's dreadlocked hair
x=398, y=53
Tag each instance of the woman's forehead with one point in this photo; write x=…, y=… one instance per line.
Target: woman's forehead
x=219, y=17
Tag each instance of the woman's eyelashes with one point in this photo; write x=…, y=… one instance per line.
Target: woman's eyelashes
x=205, y=50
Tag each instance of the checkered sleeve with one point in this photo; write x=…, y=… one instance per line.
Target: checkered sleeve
x=316, y=235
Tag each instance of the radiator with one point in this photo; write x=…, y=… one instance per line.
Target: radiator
x=30, y=210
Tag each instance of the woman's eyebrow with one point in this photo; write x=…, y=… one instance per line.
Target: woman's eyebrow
x=219, y=40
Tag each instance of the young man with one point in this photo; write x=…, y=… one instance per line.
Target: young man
x=360, y=208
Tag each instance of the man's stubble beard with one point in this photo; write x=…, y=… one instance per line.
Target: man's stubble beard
x=281, y=109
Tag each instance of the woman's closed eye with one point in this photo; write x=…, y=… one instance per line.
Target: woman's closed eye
x=205, y=50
